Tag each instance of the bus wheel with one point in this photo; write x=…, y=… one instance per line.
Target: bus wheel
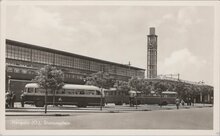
x=164, y=103
x=118, y=103
x=82, y=105
x=39, y=104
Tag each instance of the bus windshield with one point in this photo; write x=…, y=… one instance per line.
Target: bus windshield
x=169, y=94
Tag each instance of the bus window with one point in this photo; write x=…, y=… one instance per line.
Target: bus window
x=49, y=91
x=89, y=92
x=30, y=90
x=82, y=92
x=165, y=96
x=169, y=94
x=77, y=92
x=38, y=90
x=59, y=91
x=26, y=90
x=68, y=91
x=97, y=92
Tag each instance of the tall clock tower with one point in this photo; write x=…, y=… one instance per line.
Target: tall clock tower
x=152, y=54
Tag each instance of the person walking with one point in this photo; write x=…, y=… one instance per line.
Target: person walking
x=190, y=101
x=9, y=95
x=13, y=98
x=60, y=101
x=22, y=98
x=177, y=103
x=7, y=100
x=182, y=102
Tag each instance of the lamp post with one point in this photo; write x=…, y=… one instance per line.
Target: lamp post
x=101, y=100
x=129, y=68
x=203, y=101
x=9, y=81
x=102, y=87
x=136, y=98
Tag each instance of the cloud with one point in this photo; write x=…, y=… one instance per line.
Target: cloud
x=39, y=18
x=181, y=61
x=186, y=17
x=168, y=16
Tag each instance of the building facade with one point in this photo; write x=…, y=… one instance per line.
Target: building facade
x=152, y=54
x=24, y=60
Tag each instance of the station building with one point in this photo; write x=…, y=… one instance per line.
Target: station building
x=23, y=60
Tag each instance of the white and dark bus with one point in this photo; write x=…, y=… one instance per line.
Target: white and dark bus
x=120, y=97
x=69, y=94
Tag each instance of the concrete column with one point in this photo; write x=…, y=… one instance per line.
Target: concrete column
x=200, y=97
x=208, y=98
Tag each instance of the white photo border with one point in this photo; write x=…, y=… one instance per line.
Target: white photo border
x=216, y=67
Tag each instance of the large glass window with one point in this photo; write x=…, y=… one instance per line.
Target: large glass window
x=9, y=69
x=16, y=70
x=133, y=72
x=121, y=71
x=19, y=53
x=140, y=73
x=42, y=57
x=95, y=66
x=81, y=63
x=62, y=60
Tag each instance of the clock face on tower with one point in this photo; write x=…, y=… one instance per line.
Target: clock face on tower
x=152, y=42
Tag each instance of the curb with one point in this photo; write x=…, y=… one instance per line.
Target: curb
x=18, y=112
x=76, y=111
x=37, y=115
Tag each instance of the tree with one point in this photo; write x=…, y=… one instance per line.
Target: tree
x=159, y=87
x=179, y=88
x=49, y=77
x=121, y=86
x=102, y=80
x=137, y=84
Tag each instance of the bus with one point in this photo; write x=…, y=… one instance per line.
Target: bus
x=166, y=97
x=69, y=94
x=119, y=97
x=116, y=97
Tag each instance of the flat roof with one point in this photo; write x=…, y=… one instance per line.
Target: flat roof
x=22, y=44
x=169, y=92
x=67, y=86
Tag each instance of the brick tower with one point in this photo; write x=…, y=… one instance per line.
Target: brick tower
x=152, y=54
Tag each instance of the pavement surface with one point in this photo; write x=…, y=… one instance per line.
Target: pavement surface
x=182, y=119
x=30, y=110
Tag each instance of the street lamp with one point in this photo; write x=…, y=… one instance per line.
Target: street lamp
x=136, y=98
x=9, y=80
x=101, y=99
x=129, y=68
x=102, y=74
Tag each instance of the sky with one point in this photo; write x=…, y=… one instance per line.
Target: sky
x=119, y=34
